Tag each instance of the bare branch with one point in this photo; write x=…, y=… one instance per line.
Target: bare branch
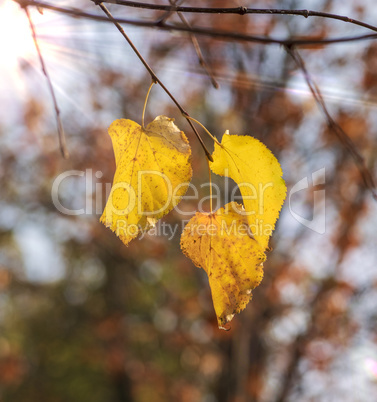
x=333, y=125
x=225, y=35
x=63, y=146
x=241, y=11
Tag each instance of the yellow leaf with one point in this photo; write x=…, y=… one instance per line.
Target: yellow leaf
x=259, y=176
x=221, y=243
x=153, y=170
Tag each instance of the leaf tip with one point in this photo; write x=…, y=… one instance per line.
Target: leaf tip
x=226, y=328
x=224, y=323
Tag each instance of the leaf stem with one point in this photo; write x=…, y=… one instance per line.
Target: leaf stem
x=210, y=187
x=201, y=125
x=145, y=103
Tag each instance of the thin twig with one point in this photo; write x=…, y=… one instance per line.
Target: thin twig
x=168, y=13
x=333, y=125
x=225, y=35
x=196, y=45
x=194, y=41
x=63, y=146
x=155, y=78
x=241, y=11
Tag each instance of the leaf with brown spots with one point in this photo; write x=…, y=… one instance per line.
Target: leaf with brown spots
x=259, y=176
x=153, y=171
x=222, y=244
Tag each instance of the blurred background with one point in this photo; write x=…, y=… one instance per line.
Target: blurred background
x=84, y=318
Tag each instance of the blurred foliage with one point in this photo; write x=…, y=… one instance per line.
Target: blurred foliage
x=84, y=318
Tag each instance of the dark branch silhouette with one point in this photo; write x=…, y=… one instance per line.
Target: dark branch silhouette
x=63, y=146
x=333, y=125
x=240, y=11
x=198, y=51
x=225, y=35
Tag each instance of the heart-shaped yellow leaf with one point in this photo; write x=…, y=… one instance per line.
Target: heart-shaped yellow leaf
x=153, y=171
x=222, y=244
x=258, y=175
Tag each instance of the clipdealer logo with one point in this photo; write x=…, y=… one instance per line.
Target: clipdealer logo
x=318, y=221
x=95, y=202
